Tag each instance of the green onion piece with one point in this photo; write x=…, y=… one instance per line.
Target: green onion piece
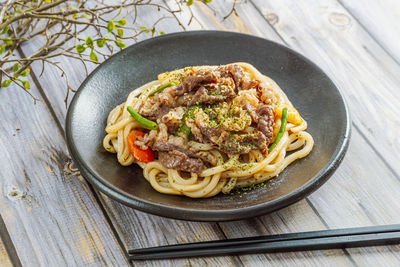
x=281, y=130
x=142, y=121
x=184, y=128
x=162, y=87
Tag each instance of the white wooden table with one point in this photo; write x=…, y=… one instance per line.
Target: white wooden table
x=50, y=216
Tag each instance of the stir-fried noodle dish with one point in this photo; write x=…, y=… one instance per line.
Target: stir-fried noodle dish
x=202, y=130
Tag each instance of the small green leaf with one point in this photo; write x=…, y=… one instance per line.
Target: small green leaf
x=101, y=42
x=110, y=26
x=86, y=16
x=7, y=41
x=93, y=56
x=16, y=67
x=120, y=43
x=120, y=32
x=5, y=30
x=161, y=33
x=121, y=22
x=189, y=2
x=6, y=83
x=75, y=16
x=26, y=84
x=89, y=41
x=25, y=72
x=2, y=49
x=144, y=29
x=18, y=11
x=80, y=48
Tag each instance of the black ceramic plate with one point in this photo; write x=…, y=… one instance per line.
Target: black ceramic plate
x=310, y=90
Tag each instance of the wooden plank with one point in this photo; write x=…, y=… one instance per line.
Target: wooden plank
x=362, y=192
x=360, y=154
x=355, y=192
x=126, y=221
x=247, y=20
x=363, y=70
x=298, y=217
x=51, y=216
x=52, y=80
x=136, y=229
x=295, y=218
x=235, y=228
x=282, y=218
x=380, y=19
x=4, y=258
x=8, y=254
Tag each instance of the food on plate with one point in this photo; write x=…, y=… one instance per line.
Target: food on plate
x=202, y=130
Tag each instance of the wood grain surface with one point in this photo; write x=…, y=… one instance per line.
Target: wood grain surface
x=54, y=218
x=380, y=19
x=5, y=258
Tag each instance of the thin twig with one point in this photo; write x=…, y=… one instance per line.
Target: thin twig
x=233, y=11
x=58, y=29
x=3, y=10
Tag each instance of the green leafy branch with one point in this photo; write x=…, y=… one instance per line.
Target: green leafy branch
x=88, y=31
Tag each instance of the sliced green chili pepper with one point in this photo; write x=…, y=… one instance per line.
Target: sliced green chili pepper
x=162, y=87
x=142, y=121
x=281, y=130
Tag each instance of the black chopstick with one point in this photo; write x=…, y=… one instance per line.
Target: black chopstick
x=327, y=239
x=271, y=238
x=281, y=246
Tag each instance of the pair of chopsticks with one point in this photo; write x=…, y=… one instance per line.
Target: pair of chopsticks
x=327, y=239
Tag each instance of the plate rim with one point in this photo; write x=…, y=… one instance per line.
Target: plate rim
x=208, y=215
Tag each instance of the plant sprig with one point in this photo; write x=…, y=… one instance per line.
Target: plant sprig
x=88, y=31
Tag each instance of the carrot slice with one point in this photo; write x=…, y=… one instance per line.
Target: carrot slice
x=137, y=153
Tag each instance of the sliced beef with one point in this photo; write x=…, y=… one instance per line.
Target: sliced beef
x=158, y=107
x=247, y=84
x=252, y=112
x=244, y=143
x=266, y=121
x=179, y=158
x=163, y=146
x=175, y=157
x=193, y=82
x=180, y=161
x=202, y=96
x=173, y=119
x=234, y=71
x=215, y=135
x=242, y=82
x=166, y=146
x=188, y=85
